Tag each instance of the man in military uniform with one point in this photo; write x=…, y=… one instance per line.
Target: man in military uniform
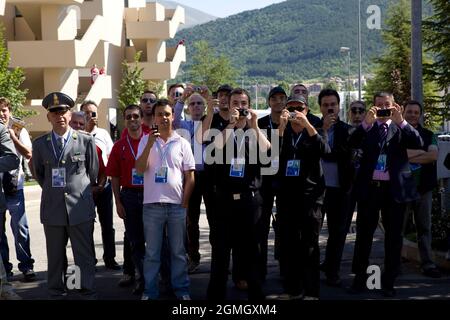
x=65, y=164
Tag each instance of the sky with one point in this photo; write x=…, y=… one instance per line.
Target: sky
x=224, y=8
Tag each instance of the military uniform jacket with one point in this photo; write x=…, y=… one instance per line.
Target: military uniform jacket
x=72, y=204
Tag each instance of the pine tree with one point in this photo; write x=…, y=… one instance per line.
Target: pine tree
x=393, y=67
x=132, y=85
x=11, y=80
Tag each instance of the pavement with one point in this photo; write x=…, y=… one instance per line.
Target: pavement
x=411, y=284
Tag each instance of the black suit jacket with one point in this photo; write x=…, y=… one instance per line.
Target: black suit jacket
x=341, y=153
x=402, y=183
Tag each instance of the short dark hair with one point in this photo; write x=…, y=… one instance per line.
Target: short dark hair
x=382, y=94
x=358, y=102
x=328, y=92
x=224, y=88
x=133, y=107
x=161, y=103
x=5, y=102
x=239, y=91
x=414, y=102
x=175, y=85
x=87, y=102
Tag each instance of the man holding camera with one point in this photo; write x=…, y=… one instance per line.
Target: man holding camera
x=13, y=182
x=102, y=191
x=300, y=90
x=384, y=183
x=338, y=176
x=237, y=193
x=174, y=93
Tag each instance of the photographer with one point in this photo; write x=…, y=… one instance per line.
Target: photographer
x=384, y=183
x=300, y=90
x=174, y=93
x=13, y=183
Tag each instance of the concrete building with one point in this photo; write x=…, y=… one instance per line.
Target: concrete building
x=57, y=42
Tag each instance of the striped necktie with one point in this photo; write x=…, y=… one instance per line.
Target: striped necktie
x=383, y=131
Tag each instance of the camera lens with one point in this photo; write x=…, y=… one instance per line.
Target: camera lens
x=243, y=112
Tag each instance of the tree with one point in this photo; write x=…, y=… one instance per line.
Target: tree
x=132, y=85
x=209, y=69
x=11, y=80
x=437, y=38
x=393, y=67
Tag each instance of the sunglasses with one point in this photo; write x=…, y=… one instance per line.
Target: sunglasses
x=301, y=91
x=133, y=116
x=193, y=103
x=148, y=100
x=358, y=110
x=299, y=108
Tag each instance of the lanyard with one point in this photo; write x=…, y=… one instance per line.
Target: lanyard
x=162, y=154
x=66, y=142
x=240, y=146
x=295, y=143
x=131, y=148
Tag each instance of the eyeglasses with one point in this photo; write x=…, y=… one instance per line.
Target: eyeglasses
x=148, y=100
x=199, y=103
x=358, y=110
x=298, y=108
x=133, y=116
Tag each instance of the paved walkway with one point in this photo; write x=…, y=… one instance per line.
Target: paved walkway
x=410, y=285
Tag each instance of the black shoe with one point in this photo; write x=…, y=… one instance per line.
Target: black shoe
x=139, y=289
x=112, y=264
x=29, y=276
x=358, y=286
x=334, y=281
x=389, y=292
x=432, y=272
x=126, y=280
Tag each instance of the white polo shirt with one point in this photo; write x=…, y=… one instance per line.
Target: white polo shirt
x=178, y=159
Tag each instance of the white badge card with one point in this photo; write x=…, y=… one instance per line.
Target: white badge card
x=237, y=167
x=161, y=175
x=381, y=163
x=59, y=177
x=293, y=168
x=136, y=179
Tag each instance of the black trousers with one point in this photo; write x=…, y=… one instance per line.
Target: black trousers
x=336, y=206
x=193, y=215
x=379, y=199
x=299, y=244
x=233, y=227
x=104, y=204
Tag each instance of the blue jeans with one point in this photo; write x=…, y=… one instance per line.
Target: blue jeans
x=19, y=227
x=156, y=216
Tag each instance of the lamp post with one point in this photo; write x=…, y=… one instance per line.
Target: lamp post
x=346, y=50
x=256, y=94
x=359, y=51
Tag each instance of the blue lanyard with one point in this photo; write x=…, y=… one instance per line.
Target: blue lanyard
x=162, y=154
x=131, y=148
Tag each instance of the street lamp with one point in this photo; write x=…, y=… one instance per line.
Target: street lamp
x=359, y=51
x=346, y=50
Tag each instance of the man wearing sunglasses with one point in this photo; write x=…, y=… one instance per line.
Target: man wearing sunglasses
x=146, y=103
x=128, y=190
x=337, y=170
x=300, y=90
x=356, y=113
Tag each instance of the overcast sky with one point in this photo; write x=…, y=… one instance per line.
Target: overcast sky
x=224, y=8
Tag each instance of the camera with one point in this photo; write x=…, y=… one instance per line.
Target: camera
x=178, y=94
x=94, y=114
x=243, y=113
x=292, y=115
x=381, y=113
x=154, y=128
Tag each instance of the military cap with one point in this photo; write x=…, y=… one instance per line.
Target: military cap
x=57, y=101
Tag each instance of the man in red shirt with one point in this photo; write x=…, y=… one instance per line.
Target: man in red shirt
x=127, y=188
x=147, y=102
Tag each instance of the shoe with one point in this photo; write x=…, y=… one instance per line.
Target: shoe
x=389, y=292
x=310, y=298
x=145, y=297
x=193, y=266
x=285, y=297
x=29, y=276
x=432, y=272
x=185, y=297
x=334, y=281
x=9, y=295
x=241, y=285
x=112, y=264
x=139, y=289
x=358, y=286
x=126, y=280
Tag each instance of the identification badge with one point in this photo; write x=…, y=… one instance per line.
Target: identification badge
x=237, y=168
x=293, y=168
x=161, y=175
x=414, y=166
x=59, y=177
x=381, y=163
x=136, y=179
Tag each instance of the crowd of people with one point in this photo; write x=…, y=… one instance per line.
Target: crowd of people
x=381, y=163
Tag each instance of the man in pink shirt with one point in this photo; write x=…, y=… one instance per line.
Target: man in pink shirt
x=167, y=163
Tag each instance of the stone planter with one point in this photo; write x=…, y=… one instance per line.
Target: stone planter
x=410, y=251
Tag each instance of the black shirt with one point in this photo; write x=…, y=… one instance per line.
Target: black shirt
x=428, y=172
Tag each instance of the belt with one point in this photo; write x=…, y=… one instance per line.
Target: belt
x=379, y=183
x=134, y=190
